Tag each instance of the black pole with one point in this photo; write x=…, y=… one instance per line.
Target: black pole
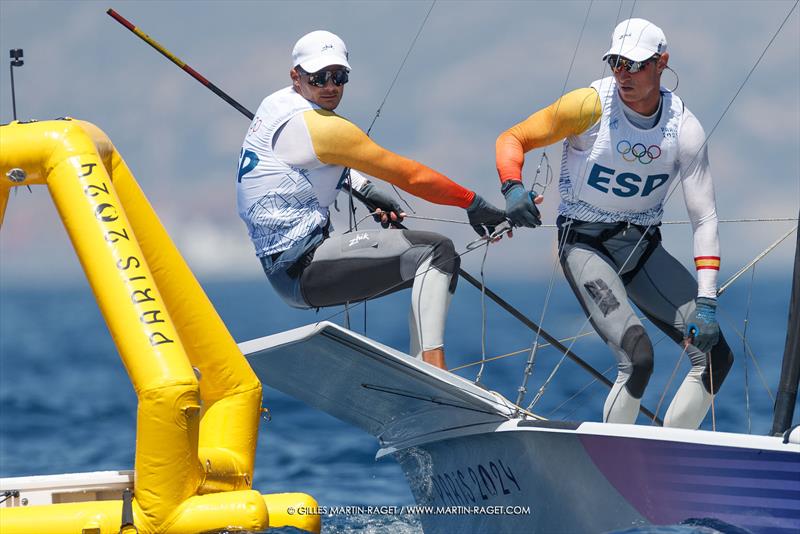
x=790, y=370
x=16, y=61
x=13, y=97
x=469, y=278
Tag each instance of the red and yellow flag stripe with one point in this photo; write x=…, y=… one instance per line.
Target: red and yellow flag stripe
x=706, y=262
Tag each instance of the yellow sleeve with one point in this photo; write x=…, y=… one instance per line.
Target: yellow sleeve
x=572, y=114
x=337, y=141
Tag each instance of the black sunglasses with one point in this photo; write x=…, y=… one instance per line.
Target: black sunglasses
x=619, y=63
x=320, y=78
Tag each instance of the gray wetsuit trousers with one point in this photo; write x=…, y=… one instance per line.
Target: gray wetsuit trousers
x=604, y=274
x=362, y=265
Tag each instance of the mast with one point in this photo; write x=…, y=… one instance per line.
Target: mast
x=790, y=370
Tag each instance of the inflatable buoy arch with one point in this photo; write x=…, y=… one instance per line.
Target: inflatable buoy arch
x=196, y=437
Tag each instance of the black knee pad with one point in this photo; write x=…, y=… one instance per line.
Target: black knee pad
x=636, y=344
x=444, y=255
x=721, y=363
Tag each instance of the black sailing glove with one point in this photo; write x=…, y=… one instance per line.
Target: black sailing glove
x=377, y=199
x=519, y=205
x=483, y=216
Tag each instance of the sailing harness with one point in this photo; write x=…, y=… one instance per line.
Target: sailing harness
x=300, y=255
x=569, y=233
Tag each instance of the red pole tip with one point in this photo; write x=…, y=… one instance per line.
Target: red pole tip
x=119, y=18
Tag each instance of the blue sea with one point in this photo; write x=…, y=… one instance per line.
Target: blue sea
x=67, y=405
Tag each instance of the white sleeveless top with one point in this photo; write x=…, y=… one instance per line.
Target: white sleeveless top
x=281, y=204
x=625, y=172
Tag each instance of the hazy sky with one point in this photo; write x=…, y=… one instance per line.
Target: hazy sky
x=477, y=69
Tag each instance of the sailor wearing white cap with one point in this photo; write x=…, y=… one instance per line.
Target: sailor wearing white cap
x=319, y=49
x=626, y=140
x=291, y=168
x=637, y=40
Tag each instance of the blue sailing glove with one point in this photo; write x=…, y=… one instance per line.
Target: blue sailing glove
x=702, y=326
x=483, y=216
x=392, y=211
x=519, y=205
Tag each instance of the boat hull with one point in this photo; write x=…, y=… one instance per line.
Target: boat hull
x=482, y=469
x=538, y=479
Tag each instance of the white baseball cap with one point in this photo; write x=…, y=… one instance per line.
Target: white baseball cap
x=319, y=49
x=637, y=40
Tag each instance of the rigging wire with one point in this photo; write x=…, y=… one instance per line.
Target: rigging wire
x=744, y=345
x=679, y=222
x=578, y=393
x=516, y=353
x=346, y=171
x=739, y=90
x=741, y=220
x=584, y=388
x=569, y=414
x=710, y=364
x=755, y=260
x=591, y=332
x=548, y=175
x=400, y=68
x=671, y=378
x=749, y=351
x=391, y=86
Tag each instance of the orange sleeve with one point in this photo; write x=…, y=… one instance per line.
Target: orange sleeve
x=572, y=114
x=337, y=141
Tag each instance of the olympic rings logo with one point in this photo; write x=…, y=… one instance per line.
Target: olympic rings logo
x=631, y=153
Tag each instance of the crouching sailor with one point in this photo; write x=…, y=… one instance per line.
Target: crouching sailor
x=626, y=140
x=291, y=168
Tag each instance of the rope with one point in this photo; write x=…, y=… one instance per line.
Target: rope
x=483, y=318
